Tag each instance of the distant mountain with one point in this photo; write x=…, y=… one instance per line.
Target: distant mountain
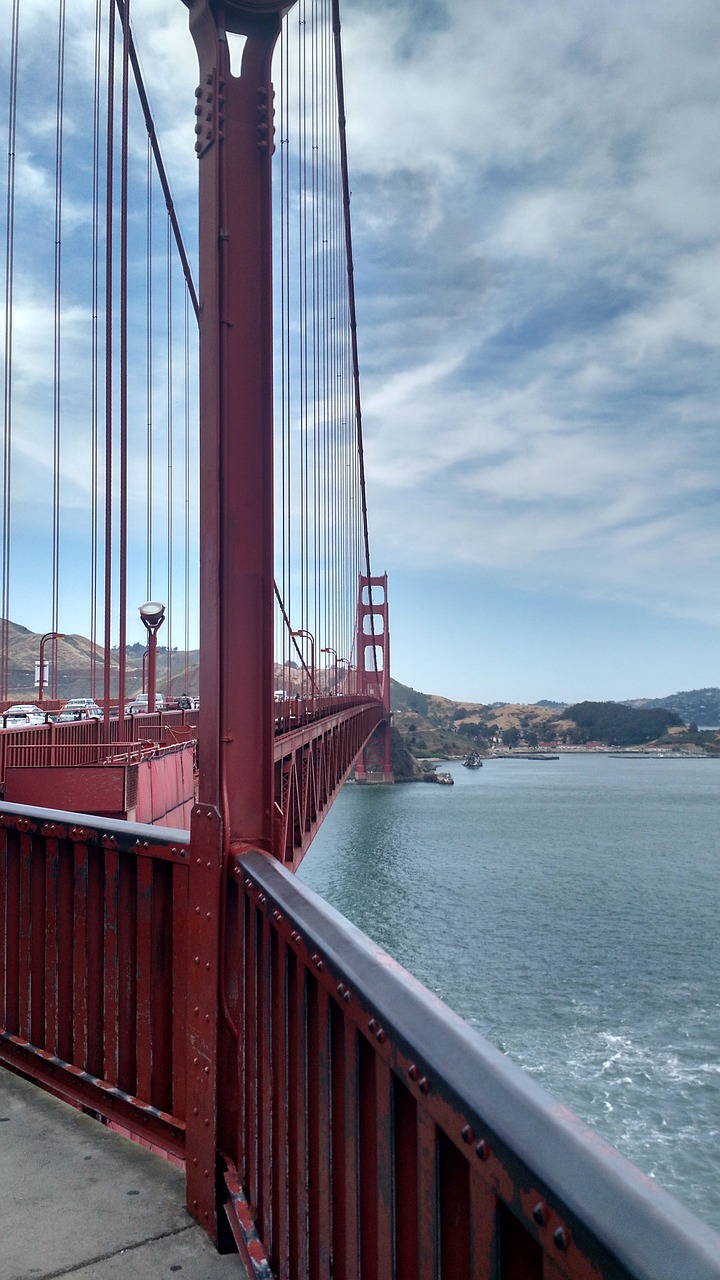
x=694, y=706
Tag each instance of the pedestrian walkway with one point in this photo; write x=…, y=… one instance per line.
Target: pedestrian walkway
x=78, y=1200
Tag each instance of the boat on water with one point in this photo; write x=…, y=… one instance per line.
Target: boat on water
x=473, y=760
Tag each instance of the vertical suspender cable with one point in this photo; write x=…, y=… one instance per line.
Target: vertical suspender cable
x=109, y=361
x=149, y=355
x=168, y=634
x=123, y=372
x=186, y=475
x=57, y=316
x=8, y=353
x=94, y=359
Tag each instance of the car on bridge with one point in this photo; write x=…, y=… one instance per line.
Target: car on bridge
x=139, y=705
x=81, y=709
x=23, y=713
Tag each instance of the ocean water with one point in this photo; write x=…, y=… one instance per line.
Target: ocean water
x=569, y=910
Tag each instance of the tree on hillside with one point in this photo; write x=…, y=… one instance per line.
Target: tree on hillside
x=618, y=725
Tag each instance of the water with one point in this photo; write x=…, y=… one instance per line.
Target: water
x=569, y=911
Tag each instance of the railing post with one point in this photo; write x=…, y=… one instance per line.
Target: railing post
x=203, y=960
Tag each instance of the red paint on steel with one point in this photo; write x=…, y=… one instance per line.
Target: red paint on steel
x=266, y=1084
x=144, y=979
x=110, y=936
x=50, y=1039
x=483, y=1217
x=249, y=1051
x=203, y=940
x=25, y=926
x=280, y=1048
x=179, y=995
x=161, y=993
x=454, y=1211
x=235, y=146
x=95, y=969
x=521, y=1257
x=427, y=1200
x=319, y=1129
x=79, y=964
x=297, y=1148
x=407, y=1238
x=127, y=973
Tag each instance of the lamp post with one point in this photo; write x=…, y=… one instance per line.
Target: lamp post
x=329, y=649
x=144, y=669
x=308, y=636
x=152, y=616
x=49, y=635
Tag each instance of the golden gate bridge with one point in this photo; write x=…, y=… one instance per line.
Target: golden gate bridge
x=181, y=984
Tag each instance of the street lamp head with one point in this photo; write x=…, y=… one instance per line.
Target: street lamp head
x=152, y=614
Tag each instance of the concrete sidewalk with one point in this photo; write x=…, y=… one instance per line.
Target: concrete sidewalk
x=77, y=1199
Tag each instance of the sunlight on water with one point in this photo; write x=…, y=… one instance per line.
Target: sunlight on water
x=569, y=911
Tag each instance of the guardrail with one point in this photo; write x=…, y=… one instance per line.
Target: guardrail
x=381, y=1136
x=93, y=964
x=237, y=1021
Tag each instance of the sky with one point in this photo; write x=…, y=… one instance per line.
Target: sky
x=535, y=203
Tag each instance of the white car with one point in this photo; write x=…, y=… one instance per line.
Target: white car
x=25, y=713
x=81, y=709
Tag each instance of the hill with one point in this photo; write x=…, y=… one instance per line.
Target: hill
x=435, y=726
x=694, y=706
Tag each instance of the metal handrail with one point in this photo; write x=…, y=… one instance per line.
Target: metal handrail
x=545, y=1168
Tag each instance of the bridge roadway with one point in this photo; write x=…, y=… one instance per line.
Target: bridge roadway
x=79, y=1200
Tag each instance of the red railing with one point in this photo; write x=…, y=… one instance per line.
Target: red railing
x=365, y=1132
x=380, y=1136
x=93, y=965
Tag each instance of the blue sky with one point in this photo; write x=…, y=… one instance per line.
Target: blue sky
x=535, y=209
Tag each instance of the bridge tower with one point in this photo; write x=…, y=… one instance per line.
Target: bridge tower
x=372, y=646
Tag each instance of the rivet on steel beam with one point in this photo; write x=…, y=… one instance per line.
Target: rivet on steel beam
x=195, y=1111
x=195, y=1204
x=372, y=1025
x=424, y=1085
x=346, y=996
x=413, y=1071
x=340, y=989
x=560, y=1238
x=380, y=1036
x=262, y=899
x=196, y=1009
x=466, y=1133
x=197, y=959
x=197, y=911
x=540, y=1213
x=195, y=1061
x=482, y=1149
x=207, y=915
x=207, y=964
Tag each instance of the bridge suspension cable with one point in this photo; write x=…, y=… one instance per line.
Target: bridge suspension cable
x=81, y=457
